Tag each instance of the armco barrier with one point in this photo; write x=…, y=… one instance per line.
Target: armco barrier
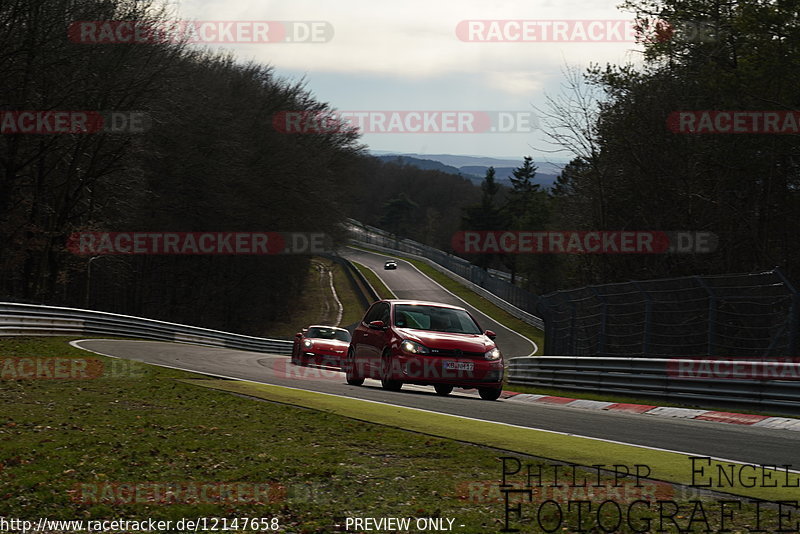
x=771, y=386
x=523, y=304
x=491, y=297
x=33, y=320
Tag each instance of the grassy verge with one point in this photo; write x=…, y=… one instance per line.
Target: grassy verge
x=353, y=311
x=68, y=447
x=383, y=291
x=307, y=308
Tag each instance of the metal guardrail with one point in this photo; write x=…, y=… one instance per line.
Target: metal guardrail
x=774, y=385
x=724, y=382
x=34, y=320
x=490, y=285
x=491, y=297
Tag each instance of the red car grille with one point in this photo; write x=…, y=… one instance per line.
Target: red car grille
x=456, y=353
x=328, y=351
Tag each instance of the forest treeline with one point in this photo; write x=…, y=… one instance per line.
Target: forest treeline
x=209, y=160
x=634, y=173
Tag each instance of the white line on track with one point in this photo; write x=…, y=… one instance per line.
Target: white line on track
x=423, y=410
x=340, y=310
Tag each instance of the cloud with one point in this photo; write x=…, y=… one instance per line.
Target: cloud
x=518, y=83
x=406, y=56
x=413, y=39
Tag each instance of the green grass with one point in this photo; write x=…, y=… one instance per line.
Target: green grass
x=664, y=465
x=56, y=435
x=383, y=291
x=59, y=437
x=307, y=307
x=353, y=311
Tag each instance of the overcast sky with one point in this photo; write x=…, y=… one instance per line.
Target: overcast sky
x=387, y=55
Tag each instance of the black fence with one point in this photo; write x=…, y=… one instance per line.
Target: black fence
x=738, y=316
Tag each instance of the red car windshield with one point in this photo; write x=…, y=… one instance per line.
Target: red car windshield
x=434, y=318
x=328, y=333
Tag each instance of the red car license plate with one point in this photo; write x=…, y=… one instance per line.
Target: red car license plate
x=459, y=366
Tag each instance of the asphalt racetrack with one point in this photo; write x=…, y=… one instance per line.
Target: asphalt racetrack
x=741, y=443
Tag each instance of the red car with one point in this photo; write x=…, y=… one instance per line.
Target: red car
x=416, y=342
x=321, y=345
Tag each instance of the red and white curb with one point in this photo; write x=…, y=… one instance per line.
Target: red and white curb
x=763, y=421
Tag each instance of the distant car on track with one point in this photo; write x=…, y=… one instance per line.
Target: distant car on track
x=391, y=264
x=428, y=343
x=321, y=345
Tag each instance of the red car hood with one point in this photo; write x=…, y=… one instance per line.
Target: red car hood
x=444, y=340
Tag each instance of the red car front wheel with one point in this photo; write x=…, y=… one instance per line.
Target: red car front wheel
x=387, y=382
x=490, y=393
x=351, y=371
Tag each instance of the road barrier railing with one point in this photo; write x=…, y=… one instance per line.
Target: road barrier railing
x=769, y=385
x=491, y=285
x=34, y=320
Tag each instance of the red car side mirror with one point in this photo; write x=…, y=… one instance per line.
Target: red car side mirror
x=490, y=334
x=377, y=325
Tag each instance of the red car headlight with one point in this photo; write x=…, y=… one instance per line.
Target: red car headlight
x=493, y=354
x=412, y=347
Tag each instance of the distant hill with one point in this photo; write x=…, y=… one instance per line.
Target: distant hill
x=474, y=167
x=426, y=164
x=503, y=175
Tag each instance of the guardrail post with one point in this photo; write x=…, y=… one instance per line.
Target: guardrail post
x=794, y=314
x=712, y=317
x=601, y=338
x=648, y=317
x=572, y=332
